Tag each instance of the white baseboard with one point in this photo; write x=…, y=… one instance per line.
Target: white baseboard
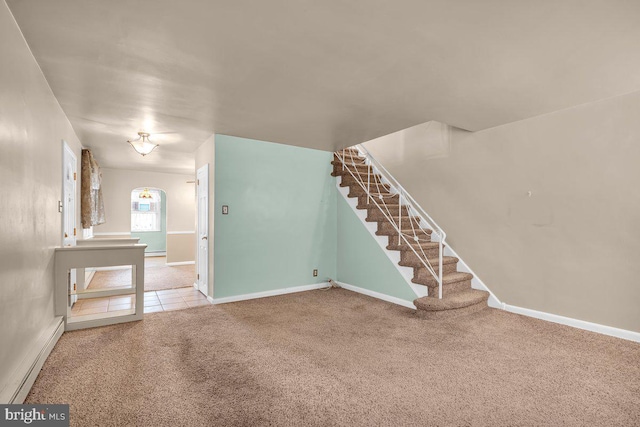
x=378, y=295
x=171, y=264
x=19, y=385
x=112, y=268
x=154, y=254
x=575, y=323
x=265, y=294
x=113, y=233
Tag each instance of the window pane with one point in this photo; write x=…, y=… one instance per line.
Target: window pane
x=145, y=213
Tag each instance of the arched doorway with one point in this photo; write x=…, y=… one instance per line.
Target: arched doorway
x=149, y=219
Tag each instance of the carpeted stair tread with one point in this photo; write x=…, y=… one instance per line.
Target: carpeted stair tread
x=445, y=260
x=383, y=219
x=416, y=245
x=390, y=206
x=447, y=278
x=408, y=233
x=458, y=300
x=348, y=163
x=385, y=196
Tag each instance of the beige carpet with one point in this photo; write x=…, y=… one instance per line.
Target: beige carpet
x=339, y=358
x=157, y=276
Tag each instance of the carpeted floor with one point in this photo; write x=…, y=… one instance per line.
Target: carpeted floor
x=157, y=276
x=340, y=358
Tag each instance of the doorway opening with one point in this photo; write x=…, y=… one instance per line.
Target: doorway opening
x=166, y=287
x=149, y=219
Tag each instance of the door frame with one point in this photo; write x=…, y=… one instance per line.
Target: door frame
x=69, y=219
x=202, y=230
x=69, y=155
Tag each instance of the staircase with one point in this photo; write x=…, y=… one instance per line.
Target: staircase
x=417, y=250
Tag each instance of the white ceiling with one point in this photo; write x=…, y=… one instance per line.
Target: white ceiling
x=321, y=74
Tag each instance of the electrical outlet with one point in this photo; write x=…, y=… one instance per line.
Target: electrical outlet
x=225, y=210
x=315, y=272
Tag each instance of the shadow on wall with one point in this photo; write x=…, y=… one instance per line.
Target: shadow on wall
x=434, y=137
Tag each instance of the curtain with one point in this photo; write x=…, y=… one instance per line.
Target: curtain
x=91, y=203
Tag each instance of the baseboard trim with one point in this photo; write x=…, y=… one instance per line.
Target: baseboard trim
x=378, y=295
x=113, y=233
x=19, y=386
x=155, y=254
x=574, y=323
x=272, y=293
x=171, y=264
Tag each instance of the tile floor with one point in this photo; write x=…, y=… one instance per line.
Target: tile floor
x=154, y=301
x=173, y=299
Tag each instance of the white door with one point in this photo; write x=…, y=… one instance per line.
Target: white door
x=202, y=182
x=69, y=177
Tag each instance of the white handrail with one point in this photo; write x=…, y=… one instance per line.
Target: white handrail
x=411, y=204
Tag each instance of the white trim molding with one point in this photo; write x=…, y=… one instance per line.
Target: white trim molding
x=378, y=295
x=272, y=293
x=18, y=387
x=171, y=264
x=574, y=323
x=154, y=254
x=180, y=232
x=113, y=233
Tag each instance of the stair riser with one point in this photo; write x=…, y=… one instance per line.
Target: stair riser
x=393, y=237
x=393, y=241
x=449, y=288
x=409, y=258
x=356, y=191
x=338, y=169
x=386, y=228
x=393, y=210
x=389, y=199
x=374, y=179
x=421, y=274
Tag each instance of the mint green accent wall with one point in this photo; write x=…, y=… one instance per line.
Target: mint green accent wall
x=156, y=240
x=282, y=216
x=362, y=262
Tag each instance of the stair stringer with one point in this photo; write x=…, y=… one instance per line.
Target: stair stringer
x=372, y=227
x=476, y=282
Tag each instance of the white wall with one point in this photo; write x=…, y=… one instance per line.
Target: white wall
x=571, y=248
x=117, y=185
x=32, y=126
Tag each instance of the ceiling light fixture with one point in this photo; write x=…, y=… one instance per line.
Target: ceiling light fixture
x=145, y=194
x=142, y=145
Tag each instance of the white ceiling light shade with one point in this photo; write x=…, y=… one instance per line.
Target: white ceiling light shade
x=143, y=145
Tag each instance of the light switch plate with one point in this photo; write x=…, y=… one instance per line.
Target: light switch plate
x=225, y=210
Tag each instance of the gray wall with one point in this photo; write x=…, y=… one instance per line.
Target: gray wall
x=32, y=126
x=572, y=247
